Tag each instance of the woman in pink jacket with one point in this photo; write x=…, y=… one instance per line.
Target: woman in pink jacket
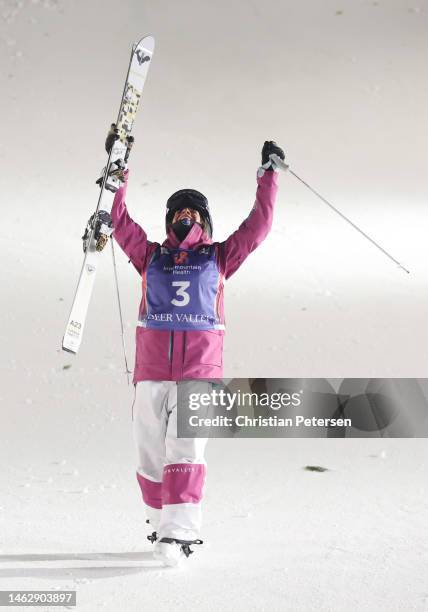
x=179, y=338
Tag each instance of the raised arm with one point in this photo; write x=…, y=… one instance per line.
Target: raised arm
x=128, y=234
x=255, y=228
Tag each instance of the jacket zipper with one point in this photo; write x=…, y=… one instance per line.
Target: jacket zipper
x=171, y=345
x=184, y=347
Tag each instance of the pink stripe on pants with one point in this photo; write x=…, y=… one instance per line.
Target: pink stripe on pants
x=152, y=492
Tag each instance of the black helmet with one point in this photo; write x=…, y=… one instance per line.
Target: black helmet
x=189, y=198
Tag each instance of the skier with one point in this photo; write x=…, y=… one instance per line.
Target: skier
x=179, y=339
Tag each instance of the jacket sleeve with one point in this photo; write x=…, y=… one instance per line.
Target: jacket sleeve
x=255, y=228
x=128, y=234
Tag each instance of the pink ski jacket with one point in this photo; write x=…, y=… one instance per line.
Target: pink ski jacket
x=178, y=355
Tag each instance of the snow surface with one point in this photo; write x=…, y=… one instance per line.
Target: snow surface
x=342, y=87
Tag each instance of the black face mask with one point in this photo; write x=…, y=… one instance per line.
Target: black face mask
x=182, y=228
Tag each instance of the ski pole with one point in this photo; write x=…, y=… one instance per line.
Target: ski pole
x=122, y=328
x=281, y=164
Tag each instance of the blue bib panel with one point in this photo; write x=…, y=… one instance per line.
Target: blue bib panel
x=182, y=288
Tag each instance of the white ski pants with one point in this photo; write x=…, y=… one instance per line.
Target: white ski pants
x=171, y=471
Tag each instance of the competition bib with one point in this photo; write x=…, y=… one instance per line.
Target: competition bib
x=181, y=290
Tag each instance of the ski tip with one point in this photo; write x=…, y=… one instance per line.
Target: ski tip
x=147, y=43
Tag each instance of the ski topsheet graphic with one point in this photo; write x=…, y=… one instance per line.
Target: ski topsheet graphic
x=97, y=232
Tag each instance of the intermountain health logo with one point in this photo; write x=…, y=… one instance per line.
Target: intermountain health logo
x=181, y=258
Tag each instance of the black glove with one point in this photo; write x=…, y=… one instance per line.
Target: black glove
x=268, y=148
x=117, y=175
x=112, y=136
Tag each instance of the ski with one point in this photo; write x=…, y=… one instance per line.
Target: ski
x=99, y=229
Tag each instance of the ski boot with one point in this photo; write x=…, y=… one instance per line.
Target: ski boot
x=101, y=225
x=171, y=551
x=153, y=536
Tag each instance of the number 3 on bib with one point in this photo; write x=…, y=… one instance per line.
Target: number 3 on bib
x=181, y=291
